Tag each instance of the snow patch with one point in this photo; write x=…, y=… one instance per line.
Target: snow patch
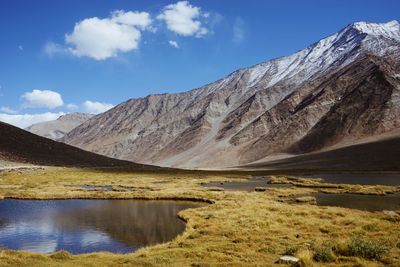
x=390, y=29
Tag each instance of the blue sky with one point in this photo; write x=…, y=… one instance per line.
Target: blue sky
x=63, y=56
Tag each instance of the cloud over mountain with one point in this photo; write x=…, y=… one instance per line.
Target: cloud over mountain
x=94, y=107
x=42, y=99
x=25, y=120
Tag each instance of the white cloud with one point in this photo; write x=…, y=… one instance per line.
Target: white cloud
x=104, y=38
x=174, y=44
x=184, y=19
x=20, y=47
x=141, y=20
x=72, y=106
x=51, y=49
x=8, y=110
x=96, y=107
x=25, y=120
x=238, y=31
x=42, y=99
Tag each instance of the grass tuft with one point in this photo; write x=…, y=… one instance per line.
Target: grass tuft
x=61, y=255
x=324, y=254
x=291, y=251
x=361, y=246
x=305, y=257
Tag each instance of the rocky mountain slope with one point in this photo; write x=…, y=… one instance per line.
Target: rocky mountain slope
x=17, y=145
x=341, y=88
x=56, y=129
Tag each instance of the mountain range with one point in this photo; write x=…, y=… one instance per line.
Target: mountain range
x=340, y=90
x=56, y=129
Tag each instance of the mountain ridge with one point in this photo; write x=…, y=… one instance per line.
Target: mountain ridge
x=200, y=127
x=20, y=146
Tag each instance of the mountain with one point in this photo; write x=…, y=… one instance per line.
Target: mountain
x=56, y=129
x=342, y=88
x=17, y=145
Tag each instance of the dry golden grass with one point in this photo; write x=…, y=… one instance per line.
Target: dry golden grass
x=336, y=188
x=239, y=229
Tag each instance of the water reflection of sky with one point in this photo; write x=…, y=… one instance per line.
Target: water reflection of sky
x=45, y=237
x=84, y=226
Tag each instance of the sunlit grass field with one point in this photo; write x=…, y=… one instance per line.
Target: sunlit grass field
x=237, y=228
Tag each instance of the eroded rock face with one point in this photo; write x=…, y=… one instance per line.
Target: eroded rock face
x=352, y=103
x=342, y=88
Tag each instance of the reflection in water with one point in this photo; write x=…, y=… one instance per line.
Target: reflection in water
x=83, y=226
x=361, y=202
x=248, y=185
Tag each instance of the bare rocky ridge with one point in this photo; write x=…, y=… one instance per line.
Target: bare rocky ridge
x=353, y=103
x=56, y=129
x=342, y=88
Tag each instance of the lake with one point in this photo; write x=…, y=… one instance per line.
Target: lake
x=84, y=226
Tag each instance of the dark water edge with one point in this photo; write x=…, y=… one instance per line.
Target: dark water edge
x=360, y=202
x=85, y=226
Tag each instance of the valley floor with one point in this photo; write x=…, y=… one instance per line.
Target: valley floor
x=238, y=229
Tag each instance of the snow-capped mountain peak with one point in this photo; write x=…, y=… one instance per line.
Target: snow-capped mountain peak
x=336, y=50
x=389, y=29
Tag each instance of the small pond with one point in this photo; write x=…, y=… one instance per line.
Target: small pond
x=360, y=202
x=84, y=226
x=248, y=185
x=357, y=178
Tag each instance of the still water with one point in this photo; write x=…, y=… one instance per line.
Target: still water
x=360, y=202
x=84, y=226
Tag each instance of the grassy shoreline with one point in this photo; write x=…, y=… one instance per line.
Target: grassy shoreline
x=238, y=229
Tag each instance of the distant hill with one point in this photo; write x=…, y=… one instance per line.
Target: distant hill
x=56, y=129
x=17, y=145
